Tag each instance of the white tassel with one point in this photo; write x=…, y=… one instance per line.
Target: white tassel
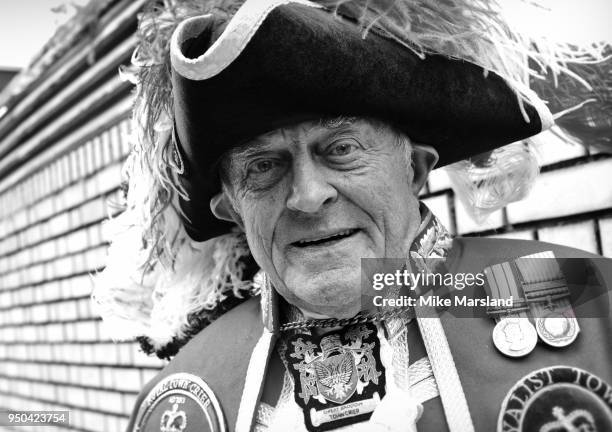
x=397, y=411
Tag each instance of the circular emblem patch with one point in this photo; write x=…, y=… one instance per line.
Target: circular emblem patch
x=180, y=402
x=557, y=399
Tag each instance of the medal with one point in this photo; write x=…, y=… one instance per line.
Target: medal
x=339, y=378
x=515, y=337
x=547, y=294
x=556, y=329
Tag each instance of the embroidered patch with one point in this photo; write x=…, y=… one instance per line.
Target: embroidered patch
x=557, y=399
x=339, y=378
x=180, y=402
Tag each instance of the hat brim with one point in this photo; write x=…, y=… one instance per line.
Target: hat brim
x=277, y=62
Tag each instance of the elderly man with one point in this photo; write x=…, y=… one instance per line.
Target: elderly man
x=315, y=142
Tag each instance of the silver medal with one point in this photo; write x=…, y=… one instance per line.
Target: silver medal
x=514, y=337
x=557, y=329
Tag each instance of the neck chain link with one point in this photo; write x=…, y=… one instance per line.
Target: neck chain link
x=360, y=318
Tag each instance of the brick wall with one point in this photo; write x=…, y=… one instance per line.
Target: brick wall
x=62, y=146
x=53, y=352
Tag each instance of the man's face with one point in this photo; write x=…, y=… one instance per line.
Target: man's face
x=316, y=198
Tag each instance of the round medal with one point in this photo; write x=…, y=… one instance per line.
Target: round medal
x=556, y=329
x=515, y=337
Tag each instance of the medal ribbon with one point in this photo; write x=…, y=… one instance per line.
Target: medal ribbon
x=503, y=284
x=548, y=298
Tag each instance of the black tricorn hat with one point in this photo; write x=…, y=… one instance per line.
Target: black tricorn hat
x=278, y=62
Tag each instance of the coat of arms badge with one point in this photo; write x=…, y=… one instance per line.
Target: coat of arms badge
x=338, y=377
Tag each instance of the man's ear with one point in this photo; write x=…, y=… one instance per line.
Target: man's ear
x=222, y=208
x=424, y=158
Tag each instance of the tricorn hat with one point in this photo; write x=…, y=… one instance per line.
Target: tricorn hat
x=213, y=74
x=278, y=62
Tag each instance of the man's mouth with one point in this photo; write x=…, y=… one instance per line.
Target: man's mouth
x=326, y=240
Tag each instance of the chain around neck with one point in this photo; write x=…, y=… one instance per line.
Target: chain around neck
x=360, y=318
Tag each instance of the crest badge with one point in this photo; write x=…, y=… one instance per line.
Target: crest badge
x=339, y=379
x=557, y=399
x=180, y=402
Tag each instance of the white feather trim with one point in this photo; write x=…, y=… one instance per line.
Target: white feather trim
x=137, y=299
x=155, y=275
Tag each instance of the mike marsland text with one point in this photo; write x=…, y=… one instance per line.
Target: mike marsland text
x=437, y=301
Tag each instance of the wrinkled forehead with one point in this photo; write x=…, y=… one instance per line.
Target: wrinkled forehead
x=311, y=131
x=307, y=131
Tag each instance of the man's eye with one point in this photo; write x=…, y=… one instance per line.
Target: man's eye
x=341, y=148
x=262, y=166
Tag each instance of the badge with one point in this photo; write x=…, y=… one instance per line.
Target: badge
x=180, y=402
x=514, y=337
x=557, y=399
x=339, y=378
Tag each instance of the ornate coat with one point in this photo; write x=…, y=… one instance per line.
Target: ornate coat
x=216, y=381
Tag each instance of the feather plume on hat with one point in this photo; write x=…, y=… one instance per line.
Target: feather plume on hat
x=162, y=287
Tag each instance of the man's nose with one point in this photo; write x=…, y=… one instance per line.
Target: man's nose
x=310, y=189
